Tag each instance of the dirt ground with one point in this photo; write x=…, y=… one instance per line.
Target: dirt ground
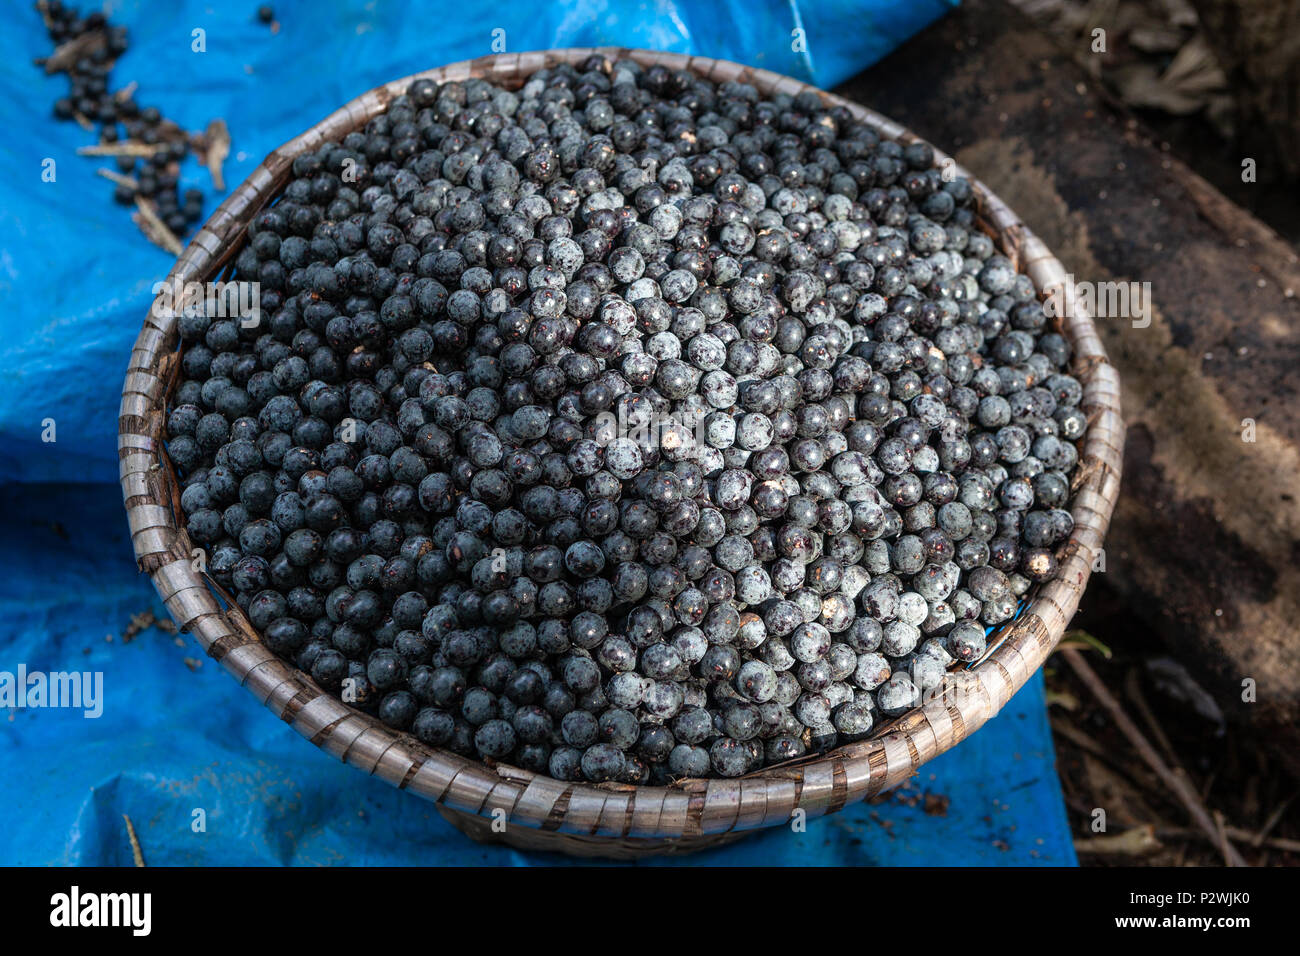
x=1162, y=68
x=1251, y=801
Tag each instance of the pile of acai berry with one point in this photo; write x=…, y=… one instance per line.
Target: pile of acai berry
x=626, y=426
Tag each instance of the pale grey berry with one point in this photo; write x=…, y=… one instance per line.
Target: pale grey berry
x=897, y=695
x=872, y=671
x=756, y=681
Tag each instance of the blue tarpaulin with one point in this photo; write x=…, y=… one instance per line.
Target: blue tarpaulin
x=205, y=773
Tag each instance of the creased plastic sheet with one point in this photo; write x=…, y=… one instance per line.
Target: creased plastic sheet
x=207, y=775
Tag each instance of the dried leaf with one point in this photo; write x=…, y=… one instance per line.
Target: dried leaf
x=154, y=228
x=1195, y=69
x=212, y=147
x=1140, y=86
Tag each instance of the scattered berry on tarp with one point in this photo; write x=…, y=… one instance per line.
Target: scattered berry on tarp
x=147, y=148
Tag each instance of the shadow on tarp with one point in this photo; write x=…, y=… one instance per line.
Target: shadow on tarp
x=179, y=740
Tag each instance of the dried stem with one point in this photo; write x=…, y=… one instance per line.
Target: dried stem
x=127, y=148
x=212, y=147
x=154, y=228
x=136, y=853
x=118, y=178
x=1178, y=784
x=1134, y=690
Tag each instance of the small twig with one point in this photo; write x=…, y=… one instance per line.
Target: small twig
x=1209, y=785
x=1134, y=689
x=136, y=853
x=1235, y=833
x=1185, y=793
x=154, y=228
x=1078, y=738
x=1276, y=843
x=1137, y=841
x=1273, y=820
x=1223, y=834
x=1137, y=774
x=84, y=122
x=126, y=92
x=118, y=178
x=128, y=148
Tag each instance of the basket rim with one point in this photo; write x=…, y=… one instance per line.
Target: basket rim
x=816, y=784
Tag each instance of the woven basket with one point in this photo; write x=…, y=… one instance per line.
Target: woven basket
x=505, y=804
